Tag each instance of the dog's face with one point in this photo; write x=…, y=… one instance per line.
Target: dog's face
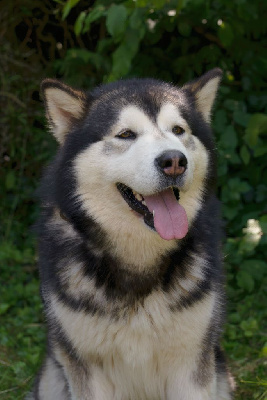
x=142, y=151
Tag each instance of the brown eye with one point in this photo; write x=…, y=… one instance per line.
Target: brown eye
x=126, y=135
x=177, y=130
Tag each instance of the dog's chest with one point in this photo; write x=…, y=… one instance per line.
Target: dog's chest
x=147, y=346
x=151, y=332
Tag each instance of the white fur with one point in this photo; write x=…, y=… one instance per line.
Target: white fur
x=169, y=116
x=52, y=385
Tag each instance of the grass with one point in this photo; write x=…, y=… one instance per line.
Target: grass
x=22, y=331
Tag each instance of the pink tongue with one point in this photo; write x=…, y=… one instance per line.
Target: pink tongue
x=170, y=218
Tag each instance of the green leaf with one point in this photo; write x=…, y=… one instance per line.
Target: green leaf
x=229, y=138
x=245, y=155
x=241, y=118
x=116, y=20
x=220, y=121
x=257, y=125
x=184, y=28
x=157, y=4
x=234, y=318
x=263, y=352
x=231, y=192
x=263, y=224
x=79, y=23
x=230, y=212
x=68, y=6
x=246, y=83
x=141, y=3
x=249, y=326
x=230, y=104
x=226, y=34
x=124, y=54
x=261, y=193
x=261, y=149
x=3, y=308
x=245, y=281
x=94, y=15
x=255, y=267
x=137, y=19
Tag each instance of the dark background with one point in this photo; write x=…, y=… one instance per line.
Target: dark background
x=85, y=43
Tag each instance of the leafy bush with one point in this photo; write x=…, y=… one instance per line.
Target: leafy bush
x=89, y=42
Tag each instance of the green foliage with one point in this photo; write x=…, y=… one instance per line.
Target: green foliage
x=22, y=333
x=89, y=42
x=69, y=4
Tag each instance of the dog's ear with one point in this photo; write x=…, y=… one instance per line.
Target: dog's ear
x=204, y=90
x=64, y=106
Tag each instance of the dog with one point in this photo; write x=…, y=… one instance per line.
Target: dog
x=129, y=243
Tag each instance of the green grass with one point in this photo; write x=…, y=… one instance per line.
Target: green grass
x=246, y=347
x=22, y=331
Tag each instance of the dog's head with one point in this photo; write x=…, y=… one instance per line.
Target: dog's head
x=135, y=151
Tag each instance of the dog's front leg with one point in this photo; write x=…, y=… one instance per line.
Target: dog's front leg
x=190, y=393
x=185, y=388
x=92, y=386
x=79, y=383
x=86, y=383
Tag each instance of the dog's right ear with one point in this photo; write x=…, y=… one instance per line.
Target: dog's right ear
x=64, y=106
x=204, y=90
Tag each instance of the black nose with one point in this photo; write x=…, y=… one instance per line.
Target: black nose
x=172, y=163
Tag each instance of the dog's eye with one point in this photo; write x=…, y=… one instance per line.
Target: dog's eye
x=126, y=135
x=177, y=130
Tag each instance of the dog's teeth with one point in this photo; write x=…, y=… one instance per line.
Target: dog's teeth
x=143, y=202
x=153, y=213
x=138, y=196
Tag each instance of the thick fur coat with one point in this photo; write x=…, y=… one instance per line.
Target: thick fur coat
x=129, y=244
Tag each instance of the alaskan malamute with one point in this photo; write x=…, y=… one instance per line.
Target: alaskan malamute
x=129, y=243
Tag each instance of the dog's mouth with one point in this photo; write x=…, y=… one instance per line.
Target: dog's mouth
x=161, y=211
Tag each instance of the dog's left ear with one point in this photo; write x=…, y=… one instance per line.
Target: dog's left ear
x=204, y=90
x=64, y=106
